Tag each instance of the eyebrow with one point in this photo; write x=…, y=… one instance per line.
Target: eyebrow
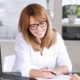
x=38, y=23
x=33, y=24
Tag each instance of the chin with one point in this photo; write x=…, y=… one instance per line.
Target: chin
x=40, y=37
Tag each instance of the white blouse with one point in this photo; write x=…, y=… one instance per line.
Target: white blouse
x=27, y=58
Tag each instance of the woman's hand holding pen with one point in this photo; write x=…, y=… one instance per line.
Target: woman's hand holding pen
x=47, y=73
x=44, y=73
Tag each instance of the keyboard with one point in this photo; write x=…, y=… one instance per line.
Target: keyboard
x=6, y=76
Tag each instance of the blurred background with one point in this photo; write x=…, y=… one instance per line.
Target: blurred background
x=65, y=18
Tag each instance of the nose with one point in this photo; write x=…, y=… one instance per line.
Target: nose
x=39, y=28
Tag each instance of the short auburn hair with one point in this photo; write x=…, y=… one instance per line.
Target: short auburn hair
x=40, y=14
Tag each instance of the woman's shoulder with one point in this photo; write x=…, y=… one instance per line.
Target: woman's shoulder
x=20, y=38
x=55, y=32
x=58, y=36
x=20, y=44
x=59, y=39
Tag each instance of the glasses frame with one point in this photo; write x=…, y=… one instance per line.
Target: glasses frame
x=38, y=25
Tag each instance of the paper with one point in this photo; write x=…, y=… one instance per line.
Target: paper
x=59, y=77
x=62, y=77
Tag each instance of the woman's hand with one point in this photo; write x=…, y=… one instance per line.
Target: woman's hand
x=75, y=77
x=44, y=73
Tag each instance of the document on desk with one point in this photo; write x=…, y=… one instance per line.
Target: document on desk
x=59, y=77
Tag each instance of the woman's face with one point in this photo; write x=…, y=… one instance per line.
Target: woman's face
x=38, y=29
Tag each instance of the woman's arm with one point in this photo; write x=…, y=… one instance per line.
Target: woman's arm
x=61, y=70
x=63, y=59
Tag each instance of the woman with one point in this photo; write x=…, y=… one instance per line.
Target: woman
x=38, y=46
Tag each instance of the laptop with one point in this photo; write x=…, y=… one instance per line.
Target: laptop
x=11, y=75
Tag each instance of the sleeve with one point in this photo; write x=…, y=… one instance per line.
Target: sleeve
x=63, y=57
x=23, y=56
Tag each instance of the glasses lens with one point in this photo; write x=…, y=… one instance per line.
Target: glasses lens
x=33, y=26
x=42, y=24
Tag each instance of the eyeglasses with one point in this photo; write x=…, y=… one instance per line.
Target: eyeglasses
x=35, y=26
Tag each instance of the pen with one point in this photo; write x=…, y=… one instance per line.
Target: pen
x=52, y=72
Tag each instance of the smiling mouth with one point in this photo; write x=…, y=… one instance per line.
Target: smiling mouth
x=40, y=33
